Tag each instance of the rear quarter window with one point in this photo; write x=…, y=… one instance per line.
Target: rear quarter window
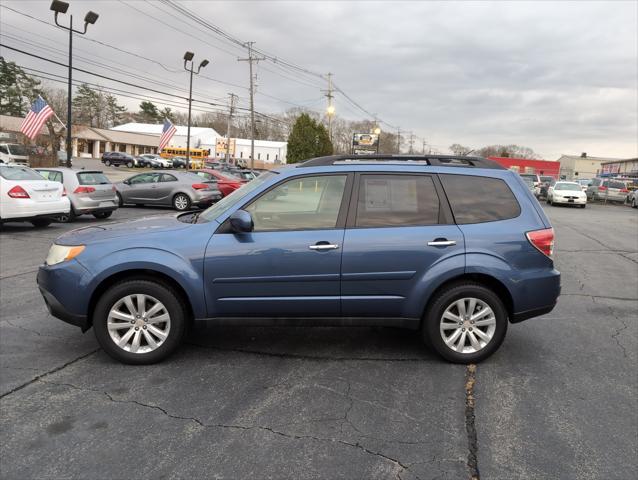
x=479, y=199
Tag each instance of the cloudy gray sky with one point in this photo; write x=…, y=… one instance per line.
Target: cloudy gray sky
x=560, y=77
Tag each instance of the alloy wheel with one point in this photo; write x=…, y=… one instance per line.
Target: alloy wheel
x=181, y=202
x=467, y=325
x=138, y=323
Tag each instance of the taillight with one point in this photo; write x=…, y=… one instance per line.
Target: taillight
x=113, y=188
x=18, y=192
x=200, y=186
x=602, y=189
x=543, y=240
x=64, y=191
x=84, y=190
x=624, y=190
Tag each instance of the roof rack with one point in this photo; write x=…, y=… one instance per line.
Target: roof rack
x=434, y=160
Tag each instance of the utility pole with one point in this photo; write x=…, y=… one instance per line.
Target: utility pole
x=330, y=110
x=411, y=142
x=423, y=147
x=251, y=58
x=399, y=140
x=230, y=116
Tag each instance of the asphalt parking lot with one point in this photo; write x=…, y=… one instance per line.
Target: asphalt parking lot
x=558, y=400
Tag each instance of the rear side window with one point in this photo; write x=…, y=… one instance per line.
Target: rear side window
x=92, y=178
x=479, y=199
x=396, y=201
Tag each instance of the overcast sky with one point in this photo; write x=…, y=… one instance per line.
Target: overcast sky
x=559, y=77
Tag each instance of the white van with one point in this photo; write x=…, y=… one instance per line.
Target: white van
x=14, y=153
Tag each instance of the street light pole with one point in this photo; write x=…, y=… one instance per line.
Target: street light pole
x=188, y=57
x=58, y=7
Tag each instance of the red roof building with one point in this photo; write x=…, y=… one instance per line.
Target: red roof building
x=525, y=165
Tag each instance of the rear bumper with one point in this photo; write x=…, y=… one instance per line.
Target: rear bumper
x=88, y=205
x=536, y=296
x=536, y=312
x=208, y=198
x=29, y=209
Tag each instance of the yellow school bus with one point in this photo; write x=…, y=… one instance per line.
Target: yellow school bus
x=196, y=153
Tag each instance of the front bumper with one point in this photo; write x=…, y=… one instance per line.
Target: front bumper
x=59, y=285
x=569, y=201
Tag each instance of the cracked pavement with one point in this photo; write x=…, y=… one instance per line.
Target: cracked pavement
x=559, y=399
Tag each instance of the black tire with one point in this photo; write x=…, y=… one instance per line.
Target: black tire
x=431, y=321
x=583, y=205
x=181, y=202
x=107, y=163
x=129, y=164
x=633, y=203
x=165, y=294
x=66, y=217
x=41, y=222
x=120, y=200
x=102, y=215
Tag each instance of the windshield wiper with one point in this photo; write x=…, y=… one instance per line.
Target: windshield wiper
x=195, y=217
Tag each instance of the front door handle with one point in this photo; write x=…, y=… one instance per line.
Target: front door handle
x=442, y=242
x=323, y=246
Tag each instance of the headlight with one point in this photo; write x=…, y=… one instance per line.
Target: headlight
x=62, y=253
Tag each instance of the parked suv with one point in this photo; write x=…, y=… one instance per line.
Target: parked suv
x=118, y=158
x=455, y=247
x=89, y=191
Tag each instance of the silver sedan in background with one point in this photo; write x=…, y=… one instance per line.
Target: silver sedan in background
x=89, y=191
x=180, y=190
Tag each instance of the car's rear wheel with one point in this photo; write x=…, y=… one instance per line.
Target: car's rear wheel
x=102, y=215
x=181, y=202
x=139, y=321
x=120, y=200
x=465, y=323
x=41, y=222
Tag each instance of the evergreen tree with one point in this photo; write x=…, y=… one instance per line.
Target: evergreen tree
x=308, y=139
x=149, y=112
x=17, y=89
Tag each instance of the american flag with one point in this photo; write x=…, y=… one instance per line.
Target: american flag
x=39, y=113
x=167, y=133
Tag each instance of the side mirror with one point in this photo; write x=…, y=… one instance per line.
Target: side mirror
x=241, y=222
x=126, y=182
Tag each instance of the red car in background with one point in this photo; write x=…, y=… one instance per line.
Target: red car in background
x=225, y=183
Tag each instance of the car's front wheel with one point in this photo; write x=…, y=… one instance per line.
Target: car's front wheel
x=102, y=215
x=107, y=163
x=41, y=222
x=181, y=202
x=139, y=321
x=465, y=323
x=129, y=164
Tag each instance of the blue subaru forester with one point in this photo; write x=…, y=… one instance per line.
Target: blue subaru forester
x=455, y=247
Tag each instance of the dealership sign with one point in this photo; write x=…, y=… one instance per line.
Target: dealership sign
x=365, y=143
x=221, y=145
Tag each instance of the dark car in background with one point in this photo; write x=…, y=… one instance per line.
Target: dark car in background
x=118, y=158
x=180, y=190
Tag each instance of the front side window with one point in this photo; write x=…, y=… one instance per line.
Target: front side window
x=396, y=201
x=300, y=204
x=479, y=199
x=144, y=178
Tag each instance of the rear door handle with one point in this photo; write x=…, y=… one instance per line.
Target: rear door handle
x=442, y=243
x=323, y=246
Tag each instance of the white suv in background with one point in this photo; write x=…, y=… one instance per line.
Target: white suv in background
x=27, y=196
x=14, y=153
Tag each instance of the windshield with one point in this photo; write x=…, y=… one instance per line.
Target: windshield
x=17, y=149
x=225, y=203
x=19, y=173
x=567, y=186
x=530, y=181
